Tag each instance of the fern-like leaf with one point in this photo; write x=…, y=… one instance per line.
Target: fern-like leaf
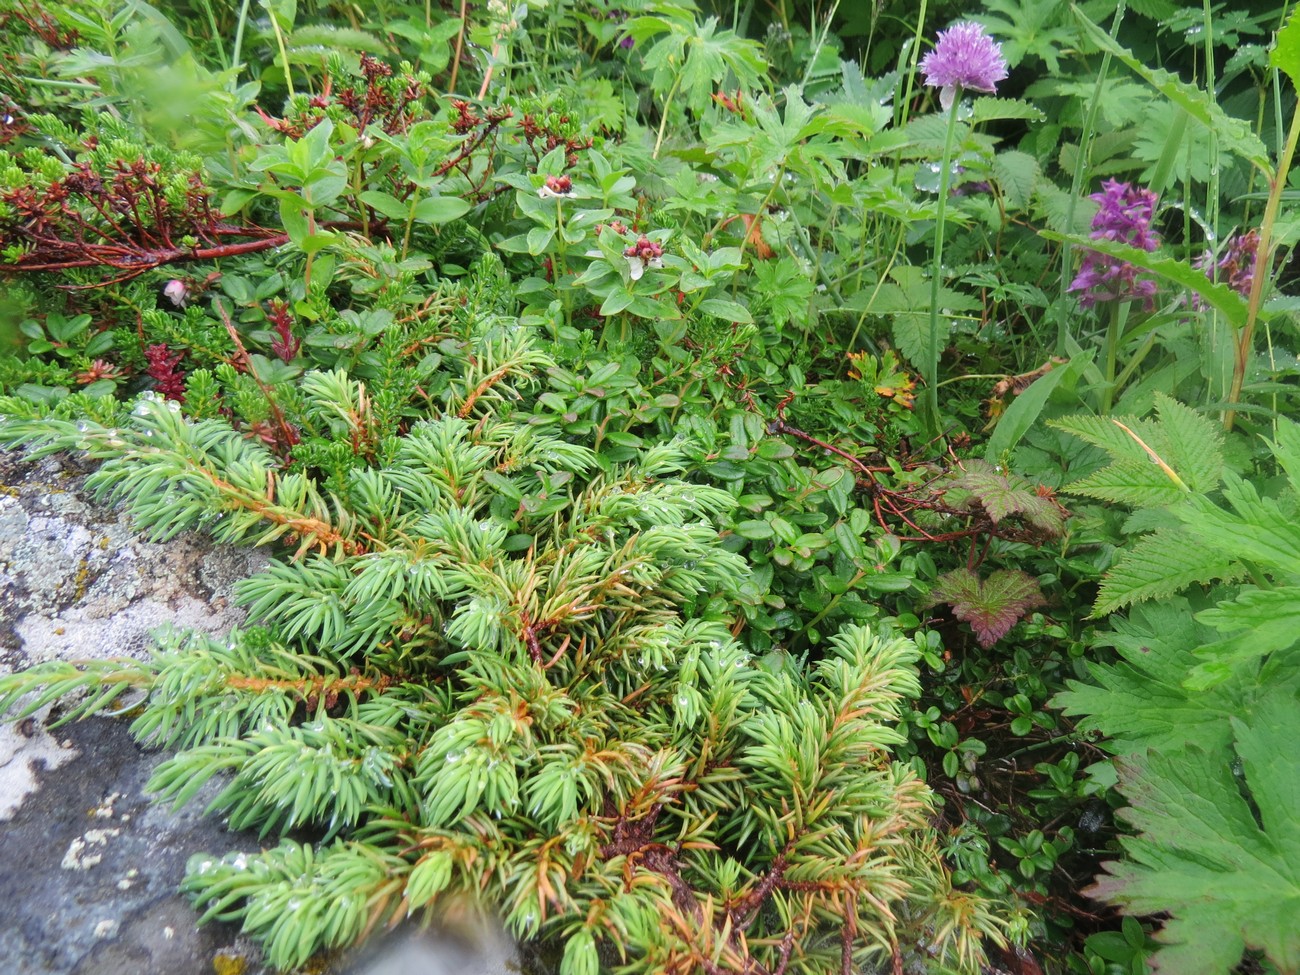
x=1261, y=622
x=1182, y=440
x=1257, y=529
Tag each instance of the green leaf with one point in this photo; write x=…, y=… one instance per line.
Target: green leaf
x=438, y=210
x=311, y=39
x=1235, y=134
x=908, y=302
x=618, y=300
x=1181, y=439
x=1190, y=443
x=580, y=955
x=385, y=204
x=754, y=529
x=728, y=311
x=993, y=605
x=989, y=109
x=1016, y=174
x=1159, y=565
x=1003, y=494
x=1286, y=450
x=1262, y=623
x=1141, y=701
x=1257, y=530
x=1285, y=55
x=1217, y=295
x=1228, y=880
x=1024, y=410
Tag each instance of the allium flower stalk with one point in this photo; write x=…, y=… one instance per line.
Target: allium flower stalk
x=1124, y=217
x=964, y=57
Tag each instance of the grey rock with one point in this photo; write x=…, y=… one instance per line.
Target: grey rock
x=89, y=866
x=89, y=870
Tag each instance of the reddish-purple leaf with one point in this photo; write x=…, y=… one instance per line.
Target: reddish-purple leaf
x=1002, y=494
x=991, y=606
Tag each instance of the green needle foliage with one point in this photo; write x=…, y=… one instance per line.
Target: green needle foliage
x=494, y=672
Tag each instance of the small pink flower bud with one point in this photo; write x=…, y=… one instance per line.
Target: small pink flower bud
x=176, y=291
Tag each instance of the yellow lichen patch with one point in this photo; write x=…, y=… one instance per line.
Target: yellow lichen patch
x=224, y=963
x=80, y=579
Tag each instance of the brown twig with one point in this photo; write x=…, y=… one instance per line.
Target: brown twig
x=287, y=435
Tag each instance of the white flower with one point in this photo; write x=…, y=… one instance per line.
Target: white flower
x=176, y=292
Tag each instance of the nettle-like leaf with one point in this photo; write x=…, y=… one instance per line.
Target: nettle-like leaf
x=1220, y=855
x=1258, y=622
x=1154, y=463
x=1140, y=701
x=907, y=300
x=1002, y=495
x=1158, y=565
x=991, y=606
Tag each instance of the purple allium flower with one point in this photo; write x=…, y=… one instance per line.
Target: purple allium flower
x=963, y=57
x=1123, y=216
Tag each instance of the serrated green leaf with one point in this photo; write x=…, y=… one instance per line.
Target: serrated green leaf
x=911, y=333
x=1003, y=494
x=1261, y=622
x=316, y=38
x=1190, y=443
x=1286, y=450
x=1159, y=565
x=1134, y=482
x=1256, y=530
x=1227, y=881
x=1285, y=55
x=1235, y=134
x=989, y=109
x=1064, y=213
x=1140, y=701
x=1182, y=440
x=1016, y=174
